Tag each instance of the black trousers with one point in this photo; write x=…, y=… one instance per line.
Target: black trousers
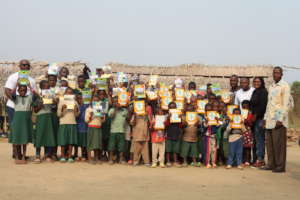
x=276, y=140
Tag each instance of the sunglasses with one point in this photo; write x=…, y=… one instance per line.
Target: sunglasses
x=25, y=65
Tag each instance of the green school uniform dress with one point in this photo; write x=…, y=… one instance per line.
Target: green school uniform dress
x=105, y=128
x=45, y=132
x=67, y=132
x=22, y=124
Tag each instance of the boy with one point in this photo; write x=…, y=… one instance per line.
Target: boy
x=190, y=139
x=119, y=118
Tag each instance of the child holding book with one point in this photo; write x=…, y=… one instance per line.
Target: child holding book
x=247, y=134
x=82, y=128
x=173, y=141
x=190, y=137
x=44, y=134
x=119, y=117
x=21, y=126
x=236, y=141
x=211, y=124
x=140, y=136
x=158, y=138
x=94, y=134
x=67, y=133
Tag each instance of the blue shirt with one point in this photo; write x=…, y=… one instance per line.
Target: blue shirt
x=81, y=125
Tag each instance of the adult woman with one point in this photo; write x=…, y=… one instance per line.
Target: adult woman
x=258, y=104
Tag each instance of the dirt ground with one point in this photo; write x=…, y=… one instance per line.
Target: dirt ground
x=84, y=181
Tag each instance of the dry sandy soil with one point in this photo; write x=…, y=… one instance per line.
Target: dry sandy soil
x=83, y=181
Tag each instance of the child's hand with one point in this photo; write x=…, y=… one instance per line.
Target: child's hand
x=76, y=108
x=64, y=107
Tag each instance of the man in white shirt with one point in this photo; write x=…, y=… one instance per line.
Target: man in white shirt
x=11, y=84
x=277, y=122
x=245, y=93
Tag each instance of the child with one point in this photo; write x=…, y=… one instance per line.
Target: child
x=22, y=125
x=81, y=128
x=189, y=140
x=235, y=145
x=52, y=80
x=119, y=118
x=106, y=103
x=140, y=136
x=67, y=133
x=45, y=136
x=211, y=138
x=223, y=138
x=94, y=134
x=158, y=142
x=174, y=134
x=247, y=134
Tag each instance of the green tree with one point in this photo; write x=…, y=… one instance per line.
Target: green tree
x=295, y=87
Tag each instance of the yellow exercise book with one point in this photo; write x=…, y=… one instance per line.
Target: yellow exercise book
x=237, y=121
x=165, y=102
x=230, y=109
x=212, y=117
x=139, y=91
x=175, y=115
x=179, y=104
x=139, y=107
x=191, y=118
x=226, y=96
x=159, y=122
x=179, y=94
x=123, y=98
x=69, y=100
x=201, y=106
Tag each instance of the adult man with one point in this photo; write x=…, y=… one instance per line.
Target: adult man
x=276, y=122
x=234, y=83
x=234, y=86
x=244, y=93
x=11, y=84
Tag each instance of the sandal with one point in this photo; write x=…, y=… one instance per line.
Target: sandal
x=37, y=160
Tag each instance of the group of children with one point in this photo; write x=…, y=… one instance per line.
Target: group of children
x=130, y=122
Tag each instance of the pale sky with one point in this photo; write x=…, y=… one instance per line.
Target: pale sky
x=164, y=32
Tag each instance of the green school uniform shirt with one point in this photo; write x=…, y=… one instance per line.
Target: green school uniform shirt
x=118, y=122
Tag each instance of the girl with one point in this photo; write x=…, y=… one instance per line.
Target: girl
x=52, y=80
x=45, y=136
x=22, y=125
x=247, y=134
x=106, y=102
x=173, y=142
x=67, y=133
x=94, y=134
x=235, y=145
x=81, y=129
x=211, y=138
x=158, y=142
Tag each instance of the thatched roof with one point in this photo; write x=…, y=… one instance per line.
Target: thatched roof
x=197, y=70
x=201, y=74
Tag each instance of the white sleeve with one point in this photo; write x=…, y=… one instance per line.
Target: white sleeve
x=236, y=99
x=11, y=82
